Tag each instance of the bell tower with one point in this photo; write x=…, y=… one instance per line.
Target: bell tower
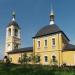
x=13, y=38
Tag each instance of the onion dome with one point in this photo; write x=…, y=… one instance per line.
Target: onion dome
x=13, y=21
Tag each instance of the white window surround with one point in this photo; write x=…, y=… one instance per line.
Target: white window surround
x=47, y=59
x=52, y=58
x=8, y=45
x=37, y=43
x=45, y=43
x=9, y=32
x=53, y=54
x=45, y=38
x=52, y=41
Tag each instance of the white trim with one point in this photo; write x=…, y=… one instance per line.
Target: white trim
x=44, y=59
x=44, y=43
x=52, y=42
x=38, y=40
x=45, y=38
x=37, y=43
x=53, y=54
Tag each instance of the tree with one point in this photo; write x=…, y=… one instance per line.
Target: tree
x=20, y=60
x=36, y=58
x=24, y=58
x=7, y=60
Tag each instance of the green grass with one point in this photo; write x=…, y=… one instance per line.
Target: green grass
x=12, y=69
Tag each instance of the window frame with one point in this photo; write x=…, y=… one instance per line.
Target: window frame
x=38, y=44
x=45, y=43
x=38, y=59
x=8, y=45
x=46, y=58
x=53, y=42
x=9, y=32
x=29, y=59
x=15, y=32
x=16, y=46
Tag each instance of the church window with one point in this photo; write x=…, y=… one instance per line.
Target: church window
x=46, y=59
x=54, y=58
x=29, y=59
x=53, y=42
x=8, y=45
x=9, y=32
x=38, y=44
x=5, y=57
x=16, y=32
x=38, y=59
x=45, y=43
x=19, y=60
x=16, y=46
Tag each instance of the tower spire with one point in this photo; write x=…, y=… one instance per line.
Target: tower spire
x=13, y=14
x=52, y=15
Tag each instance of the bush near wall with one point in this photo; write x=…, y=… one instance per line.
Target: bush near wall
x=28, y=69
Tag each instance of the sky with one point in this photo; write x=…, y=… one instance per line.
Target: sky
x=31, y=15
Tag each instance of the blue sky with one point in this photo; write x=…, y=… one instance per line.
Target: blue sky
x=32, y=15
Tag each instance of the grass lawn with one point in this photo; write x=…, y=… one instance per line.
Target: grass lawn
x=12, y=69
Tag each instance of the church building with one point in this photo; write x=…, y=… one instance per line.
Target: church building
x=50, y=44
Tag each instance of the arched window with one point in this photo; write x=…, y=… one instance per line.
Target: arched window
x=45, y=43
x=8, y=45
x=19, y=60
x=5, y=57
x=54, y=58
x=38, y=44
x=46, y=59
x=38, y=59
x=16, y=46
x=16, y=32
x=9, y=32
x=29, y=59
x=53, y=42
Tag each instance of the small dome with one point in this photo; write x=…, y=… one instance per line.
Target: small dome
x=49, y=29
x=14, y=23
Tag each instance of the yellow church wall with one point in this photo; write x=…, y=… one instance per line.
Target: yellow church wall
x=15, y=57
x=49, y=50
x=64, y=41
x=49, y=54
x=58, y=43
x=69, y=57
